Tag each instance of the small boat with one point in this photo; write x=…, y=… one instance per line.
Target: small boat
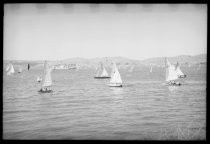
x=10, y=70
x=39, y=79
x=46, y=85
x=28, y=67
x=179, y=72
x=115, y=80
x=171, y=74
x=104, y=73
x=150, y=69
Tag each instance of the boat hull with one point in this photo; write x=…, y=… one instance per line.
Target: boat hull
x=115, y=85
x=169, y=84
x=47, y=91
x=182, y=76
x=101, y=77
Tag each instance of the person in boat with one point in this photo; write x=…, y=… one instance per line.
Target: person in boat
x=174, y=83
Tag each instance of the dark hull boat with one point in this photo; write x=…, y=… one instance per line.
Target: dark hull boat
x=106, y=77
x=182, y=76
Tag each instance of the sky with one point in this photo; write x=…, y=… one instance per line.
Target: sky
x=135, y=31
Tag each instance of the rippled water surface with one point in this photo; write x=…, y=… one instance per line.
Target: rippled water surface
x=81, y=107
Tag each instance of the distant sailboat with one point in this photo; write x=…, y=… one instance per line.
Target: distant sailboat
x=20, y=70
x=171, y=74
x=131, y=69
x=115, y=80
x=7, y=68
x=46, y=85
x=150, y=69
x=28, y=67
x=179, y=72
x=39, y=79
x=10, y=69
x=104, y=73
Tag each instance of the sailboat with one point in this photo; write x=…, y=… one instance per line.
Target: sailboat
x=104, y=73
x=171, y=74
x=115, y=80
x=179, y=72
x=28, y=67
x=46, y=85
x=131, y=69
x=150, y=69
x=10, y=70
x=20, y=70
x=38, y=79
x=7, y=68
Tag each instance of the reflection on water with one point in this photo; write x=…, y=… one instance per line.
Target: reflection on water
x=117, y=90
x=173, y=88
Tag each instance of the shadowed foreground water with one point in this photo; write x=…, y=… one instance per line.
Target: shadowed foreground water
x=82, y=107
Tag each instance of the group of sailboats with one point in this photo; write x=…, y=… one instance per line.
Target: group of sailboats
x=173, y=72
x=115, y=80
x=10, y=69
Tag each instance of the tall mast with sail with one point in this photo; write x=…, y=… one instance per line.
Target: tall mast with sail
x=11, y=69
x=103, y=74
x=46, y=85
x=179, y=72
x=171, y=74
x=115, y=80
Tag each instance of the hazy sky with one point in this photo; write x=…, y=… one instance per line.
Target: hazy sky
x=137, y=31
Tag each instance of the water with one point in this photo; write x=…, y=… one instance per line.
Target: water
x=82, y=107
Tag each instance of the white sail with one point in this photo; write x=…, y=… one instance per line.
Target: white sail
x=171, y=74
x=178, y=70
x=7, y=68
x=151, y=69
x=11, y=70
x=116, y=78
x=104, y=73
x=47, y=81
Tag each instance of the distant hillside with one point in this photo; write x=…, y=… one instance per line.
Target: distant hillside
x=183, y=59
x=120, y=61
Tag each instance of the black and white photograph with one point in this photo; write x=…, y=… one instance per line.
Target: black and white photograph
x=82, y=71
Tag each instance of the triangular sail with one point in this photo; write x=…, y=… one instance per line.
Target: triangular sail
x=10, y=70
x=101, y=72
x=7, y=68
x=178, y=70
x=104, y=73
x=116, y=78
x=47, y=81
x=170, y=72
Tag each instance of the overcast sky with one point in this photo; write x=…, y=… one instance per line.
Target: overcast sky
x=136, y=31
